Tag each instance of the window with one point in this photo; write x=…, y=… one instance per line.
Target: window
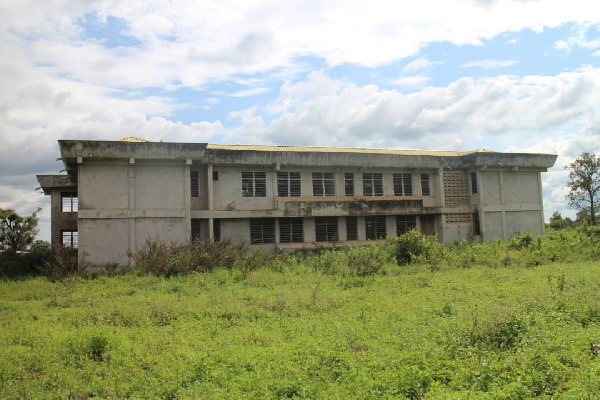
x=425, y=188
x=215, y=175
x=473, y=182
x=290, y=230
x=254, y=184
x=323, y=184
x=194, y=184
x=69, y=202
x=373, y=184
x=476, y=224
x=349, y=184
x=351, y=228
x=326, y=229
x=196, y=224
x=288, y=184
x=375, y=227
x=216, y=230
x=405, y=223
x=403, y=184
x=262, y=230
x=70, y=239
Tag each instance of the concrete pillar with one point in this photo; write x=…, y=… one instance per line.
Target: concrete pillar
x=131, y=207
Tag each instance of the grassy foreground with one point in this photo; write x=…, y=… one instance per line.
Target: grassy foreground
x=407, y=332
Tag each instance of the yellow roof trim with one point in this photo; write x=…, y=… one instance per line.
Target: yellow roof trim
x=132, y=139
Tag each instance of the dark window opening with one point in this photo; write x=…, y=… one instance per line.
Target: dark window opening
x=291, y=230
x=262, y=230
x=425, y=187
x=375, y=227
x=69, y=202
x=215, y=175
x=403, y=184
x=476, y=224
x=351, y=228
x=373, y=184
x=70, y=239
x=254, y=184
x=288, y=184
x=405, y=223
x=473, y=182
x=323, y=184
x=194, y=186
x=349, y=184
x=326, y=229
x=196, y=224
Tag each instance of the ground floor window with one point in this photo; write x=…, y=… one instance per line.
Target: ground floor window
x=351, y=228
x=70, y=239
x=476, y=224
x=196, y=226
x=405, y=223
x=326, y=229
x=262, y=230
x=291, y=230
x=375, y=227
x=216, y=230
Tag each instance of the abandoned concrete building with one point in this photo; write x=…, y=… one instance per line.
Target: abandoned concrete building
x=117, y=194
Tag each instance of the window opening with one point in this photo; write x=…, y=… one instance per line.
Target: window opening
x=351, y=228
x=196, y=224
x=349, y=184
x=375, y=227
x=254, y=184
x=288, y=184
x=405, y=223
x=215, y=175
x=473, y=182
x=425, y=187
x=291, y=230
x=194, y=186
x=403, y=184
x=69, y=202
x=373, y=184
x=70, y=239
x=323, y=184
x=326, y=229
x=262, y=230
x=476, y=224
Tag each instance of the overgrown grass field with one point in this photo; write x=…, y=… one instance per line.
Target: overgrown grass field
x=499, y=321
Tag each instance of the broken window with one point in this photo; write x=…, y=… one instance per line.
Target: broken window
x=473, y=182
x=405, y=223
x=288, y=184
x=323, y=184
x=351, y=228
x=326, y=229
x=196, y=224
x=373, y=184
x=349, y=184
x=425, y=188
x=403, y=184
x=69, y=202
x=291, y=230
x=375, y=227
x=262, y=230
x=216, y=230
x=70, y=239
x=254, y=184
x=194, y=187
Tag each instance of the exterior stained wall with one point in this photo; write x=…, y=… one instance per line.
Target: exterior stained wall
x=61, y=221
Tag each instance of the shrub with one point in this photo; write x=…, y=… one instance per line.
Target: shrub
x=366, y=261
x=412, y=245
x=64, y=262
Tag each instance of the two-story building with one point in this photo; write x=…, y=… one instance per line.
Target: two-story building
x=117, y=194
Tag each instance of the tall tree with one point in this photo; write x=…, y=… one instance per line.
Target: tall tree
x=584, y=184
x=17, y=232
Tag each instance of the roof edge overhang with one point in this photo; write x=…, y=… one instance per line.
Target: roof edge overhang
x=55, y=182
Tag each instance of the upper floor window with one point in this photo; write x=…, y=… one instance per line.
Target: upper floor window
x=403, y=184
x=194, y=185
x=291, y=230
x=288, y=184
x=262, y=230
x=473, y=182
x=375, y=227
x=373, y=184
x=215, y=175
x=326, y=229
x=349, y=184
x=425, y=187
x=254, y=184
x=69, y=202
x=323, y=184
x=70, y=239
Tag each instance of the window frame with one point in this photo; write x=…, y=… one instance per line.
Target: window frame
x=405, y=223
x=331, y=230
x=254, y=184
x=376, y=224
x=73, y=239
x=403, y=184
x=353, y=223
x=425, y=185
x=291, y=230
x=262, y=230
x=323, y=184
x=216, y=230
x=349, y=189
x=289, y=184
x=69, y=202
x=372, y=184
x=473, y=182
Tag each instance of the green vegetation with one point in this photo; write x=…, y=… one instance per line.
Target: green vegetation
x=409, y=319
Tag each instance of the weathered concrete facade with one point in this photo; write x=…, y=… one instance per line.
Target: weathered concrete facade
x=289, y=197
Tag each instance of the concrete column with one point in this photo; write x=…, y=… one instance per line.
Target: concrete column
x=131, y=206
x=209, y=185
x=539, y=177
x=441, y=187
x=502, y=205
x=187, y=196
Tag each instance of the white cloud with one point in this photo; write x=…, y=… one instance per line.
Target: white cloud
x=419, y=64
x=490, y=64
x=579, y=39
x=411, y=81
x=250, y=92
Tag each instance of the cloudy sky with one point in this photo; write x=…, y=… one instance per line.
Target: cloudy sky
x=430, y=74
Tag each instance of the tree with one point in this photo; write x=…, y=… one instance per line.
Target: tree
x=558, y=222
x=17, y=232
x=584, y=184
